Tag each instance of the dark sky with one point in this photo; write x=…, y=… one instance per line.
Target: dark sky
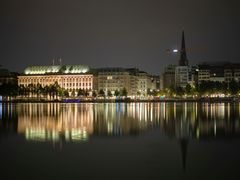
x=125, y=33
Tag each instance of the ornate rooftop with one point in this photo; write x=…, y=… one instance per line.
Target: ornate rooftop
x=60, y=69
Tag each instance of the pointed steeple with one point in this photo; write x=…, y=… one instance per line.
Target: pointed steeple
x=183, y=59
x=184, y=146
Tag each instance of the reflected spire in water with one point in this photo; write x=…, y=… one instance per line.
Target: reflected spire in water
x=78, y=122
x=184, y=149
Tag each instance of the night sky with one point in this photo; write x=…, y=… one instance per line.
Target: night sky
x=122, y=33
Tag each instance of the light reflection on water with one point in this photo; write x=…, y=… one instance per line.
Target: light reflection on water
x=140, y=140
x=78, y=122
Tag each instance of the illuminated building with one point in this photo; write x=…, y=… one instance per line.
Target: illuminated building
x=134, y=81
x=183, y=61
x=69, y=77
x=112, y=79
x=178, y=75
x=143, y=82
x=168, y=77
x=72, y=78
x=219, y=72
x=7, y=77
x=184, y=74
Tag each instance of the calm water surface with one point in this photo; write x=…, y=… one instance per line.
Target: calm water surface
x=120, y=141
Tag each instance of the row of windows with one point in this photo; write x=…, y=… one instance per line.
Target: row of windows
x=48, y=80
x=116, y=87
x=54, y=80
x=112, y=74
x=112, y=82
x=204, y=77
x=67, y=85
x=84, y=88
x=77, y=84
x=112, y=79
x=202, y=73
x=231, y=75
x=203, y=70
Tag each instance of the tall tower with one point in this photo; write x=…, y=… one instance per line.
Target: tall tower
x=183, y=58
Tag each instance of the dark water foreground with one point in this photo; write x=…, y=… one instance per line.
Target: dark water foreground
x=120, y=141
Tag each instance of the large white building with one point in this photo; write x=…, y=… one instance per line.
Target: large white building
x=69, y=77
x=75, y=77
x=184, y=75
x=137, y=83
x=116, y=79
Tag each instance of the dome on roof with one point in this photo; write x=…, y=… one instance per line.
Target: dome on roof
x=64, y=69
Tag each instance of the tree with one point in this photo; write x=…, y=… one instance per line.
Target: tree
x=39, y=89
x=94, y=94
x=21, y=90
x=81, y=92
x=170, y=91
x=9, y=90
x=46, y=91
x=233, y=87
x=124, y=92
x=101, y=93
x=138, y=93
x=61, y=92
x=179, y=91
x=73, y=93
x=30, y=89
x=66, y=93
x=14, y=90
x=116, y=93
x=188, y=89
x=149, y=92
x=86, y=93
x=109, y=93
x=53, y=90
x=152, y=92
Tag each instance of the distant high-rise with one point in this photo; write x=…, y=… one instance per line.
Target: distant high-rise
x=183, y=58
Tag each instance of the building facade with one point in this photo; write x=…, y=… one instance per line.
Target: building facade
x=72, y=78
x=168, y=77
x=219, y=72
x=67, y=77
x=182, y=76
x=116, y=79
x=143, y=83
x=7, y=77
x=137, y=83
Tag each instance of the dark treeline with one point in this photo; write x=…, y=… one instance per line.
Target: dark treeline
x=205, y=88
x=52, y=91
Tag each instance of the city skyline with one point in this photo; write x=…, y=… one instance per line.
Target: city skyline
x=117, y=34
x=119, y=89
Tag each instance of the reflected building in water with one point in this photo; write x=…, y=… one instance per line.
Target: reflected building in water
x=59, y=123
x=78, y=122
x=55, y=122
x=8, y=120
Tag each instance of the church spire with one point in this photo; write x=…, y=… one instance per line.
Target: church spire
x=183, y=59
x=184, y=146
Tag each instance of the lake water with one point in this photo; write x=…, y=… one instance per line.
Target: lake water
x=120, y=141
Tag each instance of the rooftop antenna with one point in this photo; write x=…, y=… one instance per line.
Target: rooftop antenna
x=60, y=61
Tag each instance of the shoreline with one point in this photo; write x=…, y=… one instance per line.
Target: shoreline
x=200, y=100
